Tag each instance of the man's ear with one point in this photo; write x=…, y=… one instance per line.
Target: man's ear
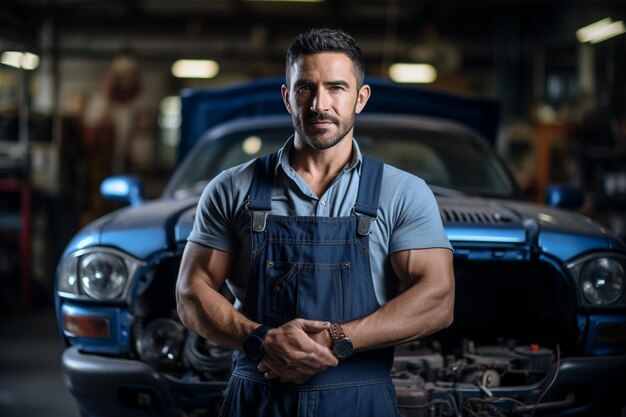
x=364, y=95
x=284, y=91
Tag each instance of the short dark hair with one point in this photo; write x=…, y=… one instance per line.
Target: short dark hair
x=316, y=41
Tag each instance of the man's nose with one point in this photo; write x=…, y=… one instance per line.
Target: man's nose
x=321, y=102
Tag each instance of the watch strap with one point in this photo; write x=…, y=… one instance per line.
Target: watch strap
x=254, y=344
x=261, y=331
x=336, y=332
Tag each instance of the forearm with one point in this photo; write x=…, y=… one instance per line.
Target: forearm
x=206, y=312
x=424, y=308
x=409, y=316
x=200, y=305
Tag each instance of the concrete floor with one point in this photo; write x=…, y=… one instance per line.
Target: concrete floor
x=31, y=384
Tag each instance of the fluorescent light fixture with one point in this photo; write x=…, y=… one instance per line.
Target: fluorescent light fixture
x=12, y=59
x=195, y=68
x=600, y=31
x=16, y=59
x=412, y=73
x=286, y=1
x=30, y=61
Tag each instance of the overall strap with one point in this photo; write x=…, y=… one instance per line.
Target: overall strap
x=367, y=200
x=260, y=193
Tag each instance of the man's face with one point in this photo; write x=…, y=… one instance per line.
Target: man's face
x=323, y=98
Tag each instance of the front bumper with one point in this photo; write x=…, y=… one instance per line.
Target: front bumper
x=111, y=387
x=105, y=386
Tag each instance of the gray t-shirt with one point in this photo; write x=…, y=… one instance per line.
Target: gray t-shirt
x=408, y=216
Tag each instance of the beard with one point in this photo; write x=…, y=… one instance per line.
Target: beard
x=321, y=138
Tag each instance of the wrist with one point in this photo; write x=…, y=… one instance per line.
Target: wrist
x=254, y=343
x=341, y=345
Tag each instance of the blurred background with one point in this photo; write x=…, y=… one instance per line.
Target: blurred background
x=88, y=88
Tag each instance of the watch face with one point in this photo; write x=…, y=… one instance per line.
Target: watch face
x=253, y=347
x=343, y=348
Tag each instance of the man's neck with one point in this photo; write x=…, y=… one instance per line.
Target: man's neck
x=319, y=168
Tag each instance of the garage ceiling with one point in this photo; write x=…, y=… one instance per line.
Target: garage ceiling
x=456, y=35
x=167, y=27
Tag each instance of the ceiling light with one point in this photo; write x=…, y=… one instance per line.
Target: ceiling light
x=287, y=1
x=600, y=31
x=412, y=73
x=195, y=68
x=16, y=59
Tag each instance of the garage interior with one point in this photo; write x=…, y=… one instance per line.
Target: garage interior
x=93, y=94
x=102, y=97
x=87, y=90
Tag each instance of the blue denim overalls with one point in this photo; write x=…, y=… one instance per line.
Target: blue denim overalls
x=315, y=268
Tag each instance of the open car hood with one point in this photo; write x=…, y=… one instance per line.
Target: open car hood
x=203, y=109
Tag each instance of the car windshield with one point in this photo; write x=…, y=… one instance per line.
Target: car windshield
x=452, y=158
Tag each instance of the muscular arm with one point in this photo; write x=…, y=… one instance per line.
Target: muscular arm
x=291, y=351
x=425, y=307
x=200, y=306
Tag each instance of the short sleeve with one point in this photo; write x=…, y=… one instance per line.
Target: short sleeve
x=213, y=225
x=416, y=220
x=219, y=222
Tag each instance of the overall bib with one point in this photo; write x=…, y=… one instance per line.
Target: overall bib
x=315, y=268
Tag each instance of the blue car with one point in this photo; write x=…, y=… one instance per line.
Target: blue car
x=540, y=315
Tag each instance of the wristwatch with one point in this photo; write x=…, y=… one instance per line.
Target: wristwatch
x=342, y=345
x=254, y=345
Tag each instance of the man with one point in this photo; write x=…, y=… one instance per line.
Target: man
x=333, y=257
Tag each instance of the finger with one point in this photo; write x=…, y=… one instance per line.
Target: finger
x=270, y=375
x=314, y=325
x=321, y=356
x=262, y=367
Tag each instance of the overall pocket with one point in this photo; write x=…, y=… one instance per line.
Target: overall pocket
x=305, y=290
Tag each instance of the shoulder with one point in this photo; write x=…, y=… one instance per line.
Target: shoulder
x=405, y=196
x=391, y=174
x=410, y=212
x=231, y=184
x=399, y=183
x=239, y=176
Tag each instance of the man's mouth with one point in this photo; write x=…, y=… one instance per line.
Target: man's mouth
x=320, y=120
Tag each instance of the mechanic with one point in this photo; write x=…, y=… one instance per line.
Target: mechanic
x=333, y=257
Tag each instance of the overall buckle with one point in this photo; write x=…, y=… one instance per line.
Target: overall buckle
x=364, y=224
x=259, y=219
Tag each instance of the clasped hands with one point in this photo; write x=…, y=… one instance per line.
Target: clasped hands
x=297, y=350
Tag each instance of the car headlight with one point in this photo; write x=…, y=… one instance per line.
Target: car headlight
x=602, y=281
x=97, y=273
x=102, y=275
x=601, y=278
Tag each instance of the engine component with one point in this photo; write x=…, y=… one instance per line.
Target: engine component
x=160, y=343
x=539, y=359
x=211, y=360
x=411, y=395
